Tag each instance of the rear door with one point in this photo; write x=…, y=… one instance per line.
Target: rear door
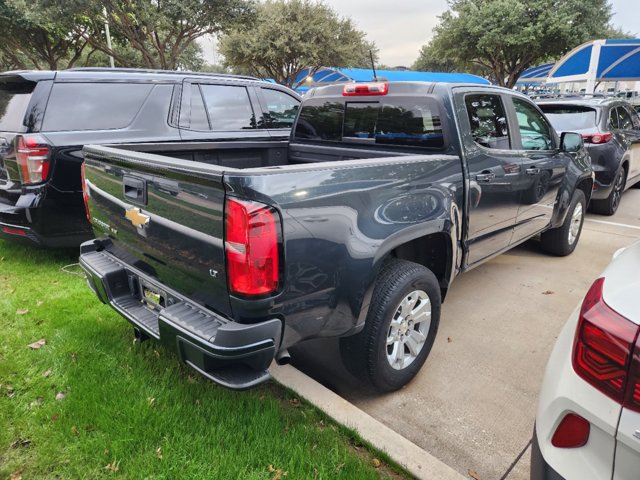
x=220, y=112
x=494, y=171
x=543, y=168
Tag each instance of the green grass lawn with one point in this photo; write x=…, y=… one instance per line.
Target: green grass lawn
x=90, y=403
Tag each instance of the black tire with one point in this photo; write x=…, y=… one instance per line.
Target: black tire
x=367, y=354
x=609, y=205
x=562, y=241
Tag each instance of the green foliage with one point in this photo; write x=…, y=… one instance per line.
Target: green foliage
x=433, y=58
x=162, y=33
x=58, y=34
x=213, y=68
x=506, y=37
x=617, y=32
x=289, y=36
x=33, y=35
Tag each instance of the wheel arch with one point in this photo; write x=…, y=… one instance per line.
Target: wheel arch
x=436, y=250
x=586, y=185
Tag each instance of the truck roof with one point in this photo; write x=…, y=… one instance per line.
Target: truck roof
x=402, y=88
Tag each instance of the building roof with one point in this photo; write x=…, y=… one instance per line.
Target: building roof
x=599, y=60
x=535, y=75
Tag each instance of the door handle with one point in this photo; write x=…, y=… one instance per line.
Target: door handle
x=485, y=177
x=135, y=189
x=532, y=171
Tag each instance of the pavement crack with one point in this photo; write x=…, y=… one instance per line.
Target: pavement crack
x=515, y=462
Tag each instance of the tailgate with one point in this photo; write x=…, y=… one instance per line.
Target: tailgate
x=164, y=216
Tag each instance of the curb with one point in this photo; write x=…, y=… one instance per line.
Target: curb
x=405, y=453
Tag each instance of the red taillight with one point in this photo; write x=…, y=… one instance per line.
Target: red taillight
x=251, y=244
x=357, y=89
x=572, y=432
x=85, y=192
x=603, y=345
x=597, y=138
x=32, y=155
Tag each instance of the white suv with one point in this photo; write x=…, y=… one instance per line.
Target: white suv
x=588, y=420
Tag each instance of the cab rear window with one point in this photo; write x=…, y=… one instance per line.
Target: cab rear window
x=14, y=100
x=391, y=121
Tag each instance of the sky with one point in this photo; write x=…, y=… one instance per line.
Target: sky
x=400, y=27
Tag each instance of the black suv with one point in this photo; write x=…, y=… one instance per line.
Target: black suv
x=46, y=117
x=610, y=128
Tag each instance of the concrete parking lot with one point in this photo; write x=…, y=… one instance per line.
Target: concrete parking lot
x=473, y=404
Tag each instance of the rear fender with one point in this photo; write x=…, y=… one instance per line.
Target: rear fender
x=434, y=244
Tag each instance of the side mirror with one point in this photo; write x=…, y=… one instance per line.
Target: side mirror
x=571, y=142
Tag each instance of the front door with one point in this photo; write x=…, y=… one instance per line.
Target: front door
x=543, y=168
x=494, y=168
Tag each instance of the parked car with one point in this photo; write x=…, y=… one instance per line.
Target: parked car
x=588, y=420
x=46, y=118
x=356, y=230
x=611, y=131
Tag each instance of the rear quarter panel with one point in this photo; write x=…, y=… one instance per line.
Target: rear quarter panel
x=340, y=221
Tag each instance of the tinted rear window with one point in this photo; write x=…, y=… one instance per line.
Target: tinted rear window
x=391, y=121
x=229, y=107
x=93, y=106
x=14, y=100
x=568, y=118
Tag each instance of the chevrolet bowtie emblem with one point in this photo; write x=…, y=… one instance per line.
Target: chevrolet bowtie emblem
x=138, y=219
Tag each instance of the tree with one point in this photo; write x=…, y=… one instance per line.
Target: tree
x=33, y=36
x=508, y=36
x=289, y=36
x=162, y=32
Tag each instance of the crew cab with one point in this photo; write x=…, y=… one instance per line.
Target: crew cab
x=354, y=228
x=46, y=117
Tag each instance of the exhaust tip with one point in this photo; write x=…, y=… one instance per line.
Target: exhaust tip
x=283, y=357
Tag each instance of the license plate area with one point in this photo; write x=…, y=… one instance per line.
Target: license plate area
x=152, y=296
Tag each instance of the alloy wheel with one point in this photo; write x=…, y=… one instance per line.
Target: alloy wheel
x=408, y=329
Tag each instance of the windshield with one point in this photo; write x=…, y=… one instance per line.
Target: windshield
x=570, y=118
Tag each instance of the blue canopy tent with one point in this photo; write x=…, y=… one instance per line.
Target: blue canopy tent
x=327, y=76
x=599, y=61
x=535, y=75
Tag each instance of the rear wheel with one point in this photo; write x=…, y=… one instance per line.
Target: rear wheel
x=400, y=328
x=609, y=205
x=562, y=241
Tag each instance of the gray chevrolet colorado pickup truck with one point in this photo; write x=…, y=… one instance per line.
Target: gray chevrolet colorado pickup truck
x=355, y=228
